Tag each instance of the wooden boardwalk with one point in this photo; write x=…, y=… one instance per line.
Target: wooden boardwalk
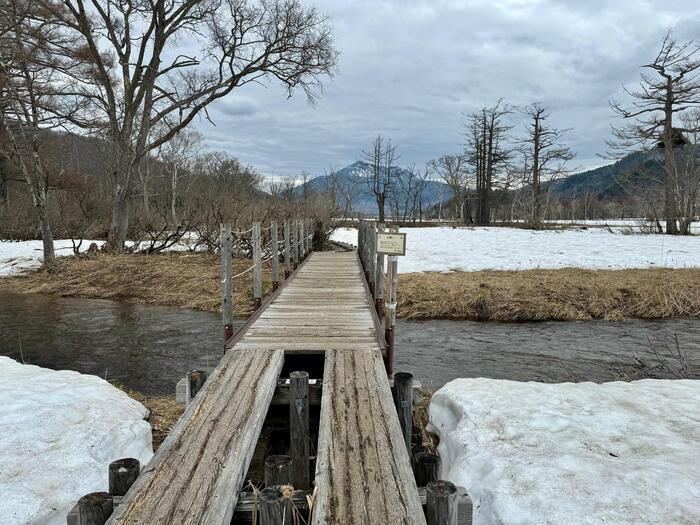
x=363, y=473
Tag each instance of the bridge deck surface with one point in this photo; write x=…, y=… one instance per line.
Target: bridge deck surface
x=363, y=474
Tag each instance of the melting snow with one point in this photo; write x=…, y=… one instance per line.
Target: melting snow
x=492, y=248
x=60, y=431
x=572, y=453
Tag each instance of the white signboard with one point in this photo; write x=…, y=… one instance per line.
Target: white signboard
x=391, y=243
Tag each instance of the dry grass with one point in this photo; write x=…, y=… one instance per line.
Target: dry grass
x=173, y=279
x=164, y=413
x=541, y=295
x=193, y=281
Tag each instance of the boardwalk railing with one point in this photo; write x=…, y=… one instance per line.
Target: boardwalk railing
x=266, y=247
x=382, y=284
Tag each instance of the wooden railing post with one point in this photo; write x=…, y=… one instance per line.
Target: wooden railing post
x=257, y=269
x=227, y=281
x=300, y=242
x=372, y=259
x=403, y=398
x=299, y=428
x=274, y=241
x=392, y=277
x=379, y=279
x=441, y=503
x=287, y=253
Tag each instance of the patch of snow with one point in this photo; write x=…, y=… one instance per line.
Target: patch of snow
x=493, y=248
x=572, y=453
x=60, y=431
x=19, y=257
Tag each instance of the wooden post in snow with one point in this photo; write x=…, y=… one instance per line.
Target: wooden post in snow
x=403, y=398
x=122, y=474
x=426, y=467
x=299, y=428
x=95, y=508
x=441, y=503
x=287, y=252
x=227, y=281
x=274, y=241
x=257, y=269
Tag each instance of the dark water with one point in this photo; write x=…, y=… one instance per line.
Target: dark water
x=148, y=348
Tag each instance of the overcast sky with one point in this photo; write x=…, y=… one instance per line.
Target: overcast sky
x=410, y=70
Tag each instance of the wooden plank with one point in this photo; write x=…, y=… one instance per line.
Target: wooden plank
x=363, y=473
x=199, y=469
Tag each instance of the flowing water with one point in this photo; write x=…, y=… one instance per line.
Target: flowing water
x=149, y=348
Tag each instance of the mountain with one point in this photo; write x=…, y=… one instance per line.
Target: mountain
x=604, y=182
x=349, y=185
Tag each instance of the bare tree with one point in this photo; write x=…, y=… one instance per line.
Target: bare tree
x=545, y=156
x=487, y=152
x=27, y=85
x=671, y=89
x=380, y=178
x=155, y=66
x=177, y=157
x=452, y=169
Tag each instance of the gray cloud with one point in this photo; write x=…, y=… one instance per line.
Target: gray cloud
x=411, y=69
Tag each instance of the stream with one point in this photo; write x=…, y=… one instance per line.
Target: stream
x=149, y=348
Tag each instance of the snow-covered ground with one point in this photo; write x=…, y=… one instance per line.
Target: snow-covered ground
x=482, y=248
x=60, y=431
x=18, y=257
x=623, y=453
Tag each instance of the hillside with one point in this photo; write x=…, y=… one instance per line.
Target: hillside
x=604, y=182
x=350, y=185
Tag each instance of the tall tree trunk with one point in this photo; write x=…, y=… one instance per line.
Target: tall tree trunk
x=46, y=234
x=380, y=206
x=670, y=205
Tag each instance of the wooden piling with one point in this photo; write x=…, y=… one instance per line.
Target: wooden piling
x=293, y=247
x=257, y=269
x=275, y=509
x=441, y=503
x=278, y=470
x=287, y=252
x=95, y=508
x=122, y=474
x=299, y=428
x=197, y=378
x=274, y=241
x=426, y=467
x=403, y=398
x=227, y=281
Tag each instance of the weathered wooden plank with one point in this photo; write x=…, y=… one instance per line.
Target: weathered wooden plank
x=363, y=473
x=197, y=472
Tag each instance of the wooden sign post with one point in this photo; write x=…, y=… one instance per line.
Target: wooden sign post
x=392, y=244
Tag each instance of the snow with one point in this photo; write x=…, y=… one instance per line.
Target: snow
x=481, y=248
x=60, y=431
x=623, y=453
x=18, y=257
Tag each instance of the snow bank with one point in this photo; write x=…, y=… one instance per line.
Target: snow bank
x=18, y=257
x=572, y=453
x=60, y=431
x=491, y=248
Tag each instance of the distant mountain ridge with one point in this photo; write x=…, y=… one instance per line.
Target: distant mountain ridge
x=349, y=181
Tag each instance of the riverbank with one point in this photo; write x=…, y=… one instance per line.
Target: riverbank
x=189, y=280
x=186, y=280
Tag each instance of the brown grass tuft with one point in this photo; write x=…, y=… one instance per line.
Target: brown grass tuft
x=173, y=279
x=164, y=413
x=541, y=295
